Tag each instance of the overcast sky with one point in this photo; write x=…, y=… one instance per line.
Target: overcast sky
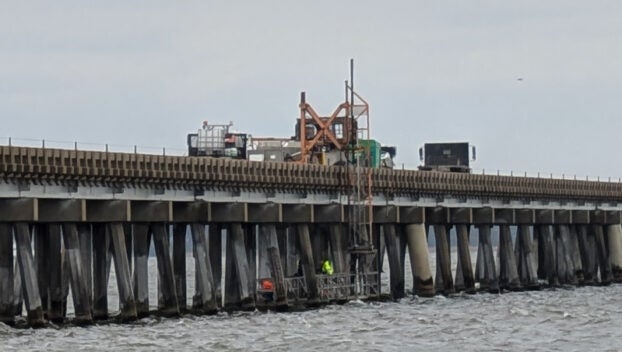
x=535, y=85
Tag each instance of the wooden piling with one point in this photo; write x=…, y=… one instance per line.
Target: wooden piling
x=444, y=280
x=232, y=284
x=169, y=304
x=29, y=278
x=127, y=304
x=140, y=278
x=81, y=301
x=6, y=274
x=267, y=239
x=179, y=264
x=205, y=297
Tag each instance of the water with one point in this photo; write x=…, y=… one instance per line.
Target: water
x=580, y=319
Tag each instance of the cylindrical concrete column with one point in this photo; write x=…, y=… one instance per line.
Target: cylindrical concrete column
x=423, y=285
x=614, y=236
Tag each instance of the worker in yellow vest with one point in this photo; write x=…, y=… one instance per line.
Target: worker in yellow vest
x=327, y=267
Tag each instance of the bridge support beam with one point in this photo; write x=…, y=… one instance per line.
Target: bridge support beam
x=168, y=305
x=604, y=265
x=525, y=256
x=127, y=304
x=396, y=266
x=205, y=297
x=28, y=274
x=486, y=271
x=576, y=255
x=423, y=285
x=215, y=257
x=79, y=291
x=587, y=250
x=308, y=263
x=464, y=259
x=142, y=242
x=508, y=275
x=101, y=270
x=614, y=237
x=55, y=274
x=179, y=264
x=444, y=281
x=238, y=295
x=564, y=258
x=6, y=274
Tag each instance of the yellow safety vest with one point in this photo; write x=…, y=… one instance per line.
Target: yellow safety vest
x=327, y=268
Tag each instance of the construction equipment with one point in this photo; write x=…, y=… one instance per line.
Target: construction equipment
x=446, y=157
x=218, y=141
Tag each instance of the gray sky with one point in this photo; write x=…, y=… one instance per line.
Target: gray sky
x=149, y=72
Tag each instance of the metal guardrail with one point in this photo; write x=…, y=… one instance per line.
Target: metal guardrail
x=91, y=167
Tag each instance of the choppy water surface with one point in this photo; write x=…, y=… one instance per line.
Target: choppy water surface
x=580, y=319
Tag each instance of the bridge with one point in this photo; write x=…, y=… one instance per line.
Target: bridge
x=67, y=215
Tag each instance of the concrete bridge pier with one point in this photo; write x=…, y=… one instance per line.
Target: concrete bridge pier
x=215, y=257
x=587, y=250
x=308, y=263
x=85, y=239
x=127, y=304
x=464, y=259
x=6, y=274
x=508, y=274
x=547, y=254
x=525, y=256
x=41, y=247
x=76, y=270
x=101, y=270
x=486, y=272
x=423, y=285
x=28, y=273
x=444, y=281
x=238, y=294
x=18, y=300
x=576, y=255
x=179, y=264
x=565, y=257
x=205, y=299
x=614, y=238
x=266, y=238
x=396, y=266
x=142, y=242
x=168, y=305
x=54, y=273
x=604, y=266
